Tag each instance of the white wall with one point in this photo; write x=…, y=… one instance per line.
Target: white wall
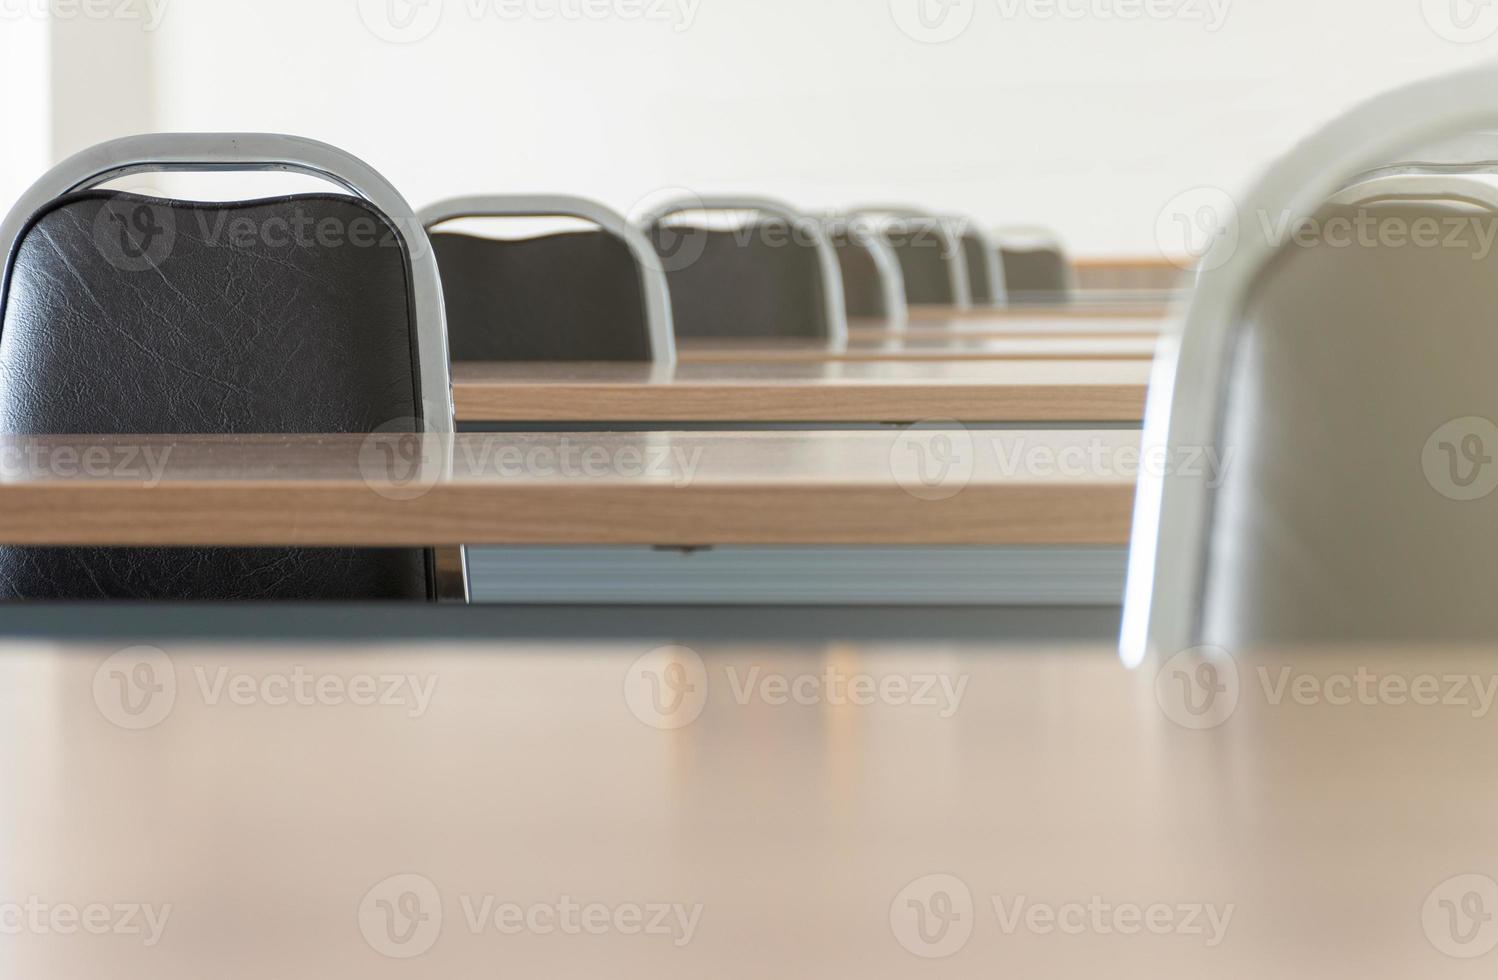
x=1089, y=125
x=26, y=104
x=101, y=80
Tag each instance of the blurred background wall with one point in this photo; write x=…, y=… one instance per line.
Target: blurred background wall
x=1085, y=115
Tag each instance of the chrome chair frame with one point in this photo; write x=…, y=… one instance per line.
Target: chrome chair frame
x=653, y=285
x=1419, y=187
x=886, y=264
x=990, y=247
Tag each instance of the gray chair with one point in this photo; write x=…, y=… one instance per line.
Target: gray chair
x=929, y=248
x=1036, y=268
x=1347, y=382
x=873, y=286
x=777, y=276
x=593, y=296
x=129, y=314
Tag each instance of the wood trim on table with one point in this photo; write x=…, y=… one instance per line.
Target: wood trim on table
x=1009, y=349
x=1153, y=310
x=744, y=489
x=1105, y=391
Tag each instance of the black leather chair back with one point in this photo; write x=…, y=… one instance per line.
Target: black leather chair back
x=291, y=315
x=574, y=296
x=760, y=281
x=1041, y=275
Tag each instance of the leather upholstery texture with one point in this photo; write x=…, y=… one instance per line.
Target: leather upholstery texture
x=863, y=287
x=128, y=314
x=925, y=264
x=1342, y=514
x=574, y=296
x=1040, y=275
x=753, y=282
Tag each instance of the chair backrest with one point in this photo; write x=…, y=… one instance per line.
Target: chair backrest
x=1035, y=266
x=124, y=314
x=930, y=251
x=591, y=296
x=776, y=276
x=985, y=275
x=872, y=282
x=1321, y=416
x=1326, y=525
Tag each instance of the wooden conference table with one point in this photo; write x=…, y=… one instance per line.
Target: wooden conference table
x=1076, y=370
x=918, y=486
x=880, y=811
x=1000, y=391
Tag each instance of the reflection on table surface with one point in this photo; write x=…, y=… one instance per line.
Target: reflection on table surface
x=631, y=810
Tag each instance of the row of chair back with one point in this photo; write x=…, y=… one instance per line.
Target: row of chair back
x=622, y=292
x=123, y=313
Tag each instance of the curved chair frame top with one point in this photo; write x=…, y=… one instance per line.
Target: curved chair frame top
x=1167, y=562
x=886, y=264
x=1466, y=153
x=951, y=243
x=835, y=309
x=1420, y=187
x=204, y=152
x=652, y=279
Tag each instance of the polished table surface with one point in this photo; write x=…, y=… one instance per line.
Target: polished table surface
x=1007, y=391
x=1148, y=309
x=634, y=810
x=932, y=485
x=863, y=331
x=919, y=346
x=874, y=330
